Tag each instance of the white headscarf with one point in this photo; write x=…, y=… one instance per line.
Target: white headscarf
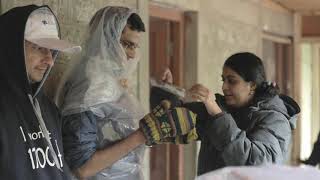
x=94, y=78
x=93, y=84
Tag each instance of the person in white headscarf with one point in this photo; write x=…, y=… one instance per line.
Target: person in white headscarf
x=96, y=108
x=101, y=118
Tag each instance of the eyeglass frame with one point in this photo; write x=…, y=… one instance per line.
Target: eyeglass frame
x=129, y=45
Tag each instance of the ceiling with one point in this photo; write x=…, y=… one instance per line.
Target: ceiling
x=300, y=5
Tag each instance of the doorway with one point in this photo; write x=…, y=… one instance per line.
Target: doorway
x=166, y=50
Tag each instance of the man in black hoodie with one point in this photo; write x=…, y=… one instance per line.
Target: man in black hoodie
x=30, y=125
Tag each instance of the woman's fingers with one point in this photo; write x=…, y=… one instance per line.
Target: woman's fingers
x=199, y=92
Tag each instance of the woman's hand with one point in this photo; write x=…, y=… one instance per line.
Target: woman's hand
x=198, y=92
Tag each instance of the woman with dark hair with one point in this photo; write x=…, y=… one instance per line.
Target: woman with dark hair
x=251, y=124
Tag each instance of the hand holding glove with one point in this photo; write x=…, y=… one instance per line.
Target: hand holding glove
x=165, y=123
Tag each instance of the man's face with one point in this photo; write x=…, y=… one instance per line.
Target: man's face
x=38, y=60
x=130, y=42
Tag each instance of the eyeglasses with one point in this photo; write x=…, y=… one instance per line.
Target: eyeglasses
x=129, y=45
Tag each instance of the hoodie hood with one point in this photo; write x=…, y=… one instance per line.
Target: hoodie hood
x=283, y=104
x=93, y=79
x=280, y=103
x=13, y=72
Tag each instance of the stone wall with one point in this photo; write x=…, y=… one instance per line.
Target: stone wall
x=73, y=16
x=229, y=26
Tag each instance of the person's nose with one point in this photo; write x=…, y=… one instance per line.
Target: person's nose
x=131, y=53
x=224, y=86
x=48, y=59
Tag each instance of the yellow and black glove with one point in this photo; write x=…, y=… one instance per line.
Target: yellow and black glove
x=165, y=123
x=183, y=139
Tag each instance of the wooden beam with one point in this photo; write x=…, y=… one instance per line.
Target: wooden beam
x=310, y=26
x=313, y=39
x=172, y=14
x=278, y=39
x=270, y=4
x=296, y=141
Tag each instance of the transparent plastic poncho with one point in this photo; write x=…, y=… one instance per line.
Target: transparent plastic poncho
x=92, y=83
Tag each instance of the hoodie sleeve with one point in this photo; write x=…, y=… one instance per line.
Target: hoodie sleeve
x=79, y=138
x=267, y=142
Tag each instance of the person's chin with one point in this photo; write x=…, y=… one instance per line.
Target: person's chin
x=228, y=99
x=37, y=78
x=230, y=102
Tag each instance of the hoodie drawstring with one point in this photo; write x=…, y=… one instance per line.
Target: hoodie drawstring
x=37, y=110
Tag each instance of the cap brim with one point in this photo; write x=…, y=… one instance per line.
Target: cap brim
x=57, y=44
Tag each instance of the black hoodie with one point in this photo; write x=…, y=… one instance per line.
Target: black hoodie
x=25, y=153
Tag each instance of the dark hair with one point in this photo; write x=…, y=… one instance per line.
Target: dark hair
x=135, y=23
x=250, y=68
